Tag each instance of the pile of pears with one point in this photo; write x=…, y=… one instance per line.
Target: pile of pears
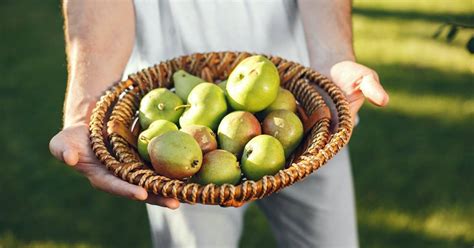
x=243, y=127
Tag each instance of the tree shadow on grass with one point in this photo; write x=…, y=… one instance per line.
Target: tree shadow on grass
x=377, y=236
x=415, y=79
x=55, y=205
x=412, y=163
x=413, y=15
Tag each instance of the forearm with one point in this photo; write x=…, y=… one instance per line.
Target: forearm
x=328, y=31
x=99, y=40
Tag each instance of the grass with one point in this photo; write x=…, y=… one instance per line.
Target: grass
x=412, y=161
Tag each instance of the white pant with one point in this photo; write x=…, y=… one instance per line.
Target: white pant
x=316, y=212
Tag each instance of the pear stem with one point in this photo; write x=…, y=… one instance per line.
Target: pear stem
x=144, y=139
x=182, y=106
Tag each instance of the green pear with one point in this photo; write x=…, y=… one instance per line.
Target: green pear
x=159, y=104
x=253, y=84
x=175, y=154
x=286, y=127
x=155, y=129
x=184, y=83
x=204, y=136
x=218, y=167
x=222, y=85
x=284, y=100
x=263, y=155
x=206, y=106
x=236, y=129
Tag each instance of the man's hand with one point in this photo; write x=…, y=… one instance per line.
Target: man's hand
x=72, y=146
x=358, y=82
x=99, y=40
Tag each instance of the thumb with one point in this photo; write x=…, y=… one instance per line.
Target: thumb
x=373, y=90
x=63, y=150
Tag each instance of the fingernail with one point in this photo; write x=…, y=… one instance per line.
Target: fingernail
x=384, y=99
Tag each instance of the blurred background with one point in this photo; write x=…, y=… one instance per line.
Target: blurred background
x=412, y=162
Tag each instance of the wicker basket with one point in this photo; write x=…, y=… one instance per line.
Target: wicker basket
x=113, y=135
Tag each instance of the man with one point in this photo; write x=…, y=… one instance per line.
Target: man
x=109, y=39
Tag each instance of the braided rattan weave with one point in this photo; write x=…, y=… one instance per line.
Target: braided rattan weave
x=113, y=141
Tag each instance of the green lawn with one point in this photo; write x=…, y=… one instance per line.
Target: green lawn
x=411, y=163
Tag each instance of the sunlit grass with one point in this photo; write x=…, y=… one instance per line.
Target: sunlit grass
x=438, y=107
x=445, y=224
x=395, y=41
x=422, y=6
x=8, y=240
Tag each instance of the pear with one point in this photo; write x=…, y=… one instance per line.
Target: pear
x=206, y=106
x=253, y=84
x=184, y=83
x=284, y=100
x=159, y=104
x=222, y=85
x=175, y=154
x=155, y=129
x=263, y=155
x=285, y=126
x=218, y=167
x=236, y=129
x=204, y=136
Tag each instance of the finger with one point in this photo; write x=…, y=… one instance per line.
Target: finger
x=373, y=90
x=354, y=107
x=70, y=157
x=63, y=151
x=162, y=201
x=113, y=185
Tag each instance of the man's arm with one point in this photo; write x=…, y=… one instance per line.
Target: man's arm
x=328, y=31
x=99, y=40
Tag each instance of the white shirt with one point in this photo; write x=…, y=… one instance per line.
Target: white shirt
x=170, y=28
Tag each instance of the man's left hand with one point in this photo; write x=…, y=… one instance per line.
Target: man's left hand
x=358, y=82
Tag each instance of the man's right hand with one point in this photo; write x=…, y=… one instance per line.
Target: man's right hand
x=72, y=146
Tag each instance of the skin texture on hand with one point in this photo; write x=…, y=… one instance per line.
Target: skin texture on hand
x=72, y=146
